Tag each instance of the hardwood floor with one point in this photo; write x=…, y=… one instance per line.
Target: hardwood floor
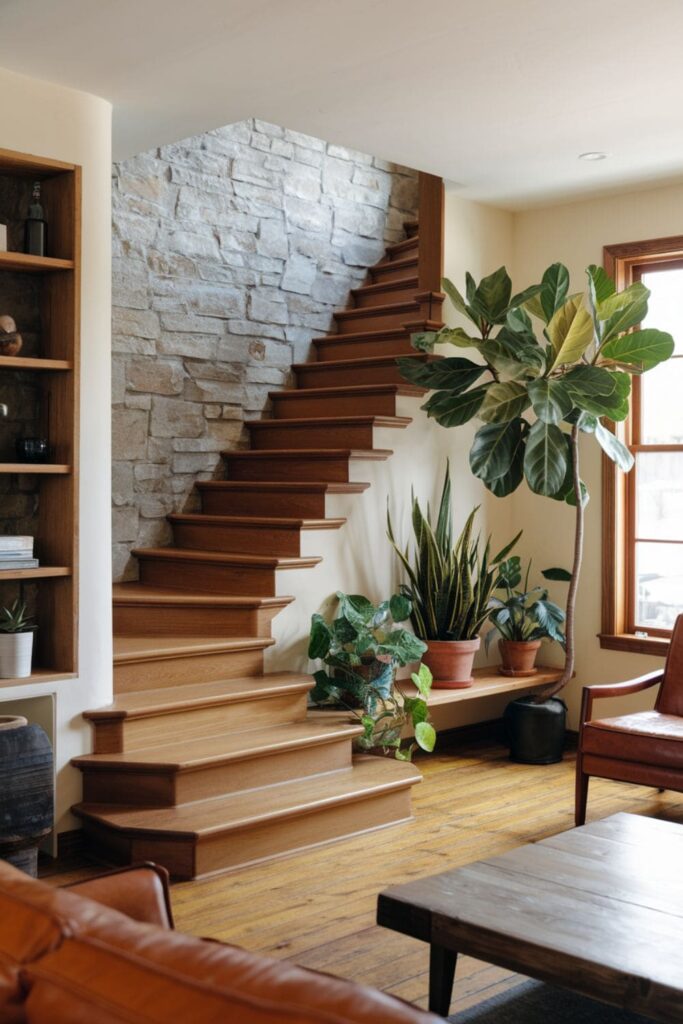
x=318, y=908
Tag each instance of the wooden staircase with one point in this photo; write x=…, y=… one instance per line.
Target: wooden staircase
x=203, y=762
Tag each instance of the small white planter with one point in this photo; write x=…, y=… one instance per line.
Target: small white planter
x=16, y=650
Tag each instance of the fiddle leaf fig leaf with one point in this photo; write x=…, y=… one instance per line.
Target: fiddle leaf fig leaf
x=492, y=296
x=554, y=288
x=454, y=373
x=590, y=380
x=625, y=316
x=424, y=341
x=600, y=284
x=518, y=301
x=550, y=399
x=570, y=331
x=614, y=448
x=458, y=301
x=503, y=402
x=641, y=350
x=545, y=458
x=493, y=450
x=458, y=337
x=452, y=409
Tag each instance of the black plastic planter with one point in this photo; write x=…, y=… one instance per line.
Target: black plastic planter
x=536, y=732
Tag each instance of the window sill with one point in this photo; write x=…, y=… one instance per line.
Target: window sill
x=656, y=645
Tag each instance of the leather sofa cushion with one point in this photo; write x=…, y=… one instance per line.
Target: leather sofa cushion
x=648, y=737
x=139, y=975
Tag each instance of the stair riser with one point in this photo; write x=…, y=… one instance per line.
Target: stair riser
x=396, y=291
x=324, y=470
x=167, y=789
x=314, y=376
x=301, y=407
x=171, y=620
x=316, y=436
x=238, y=539
x=150, y=675
x=263, y=503
x=136, y=733
x=403, y=249
x=337, y=348
x=207, y=577
x=382, y=274
x=251, y=846
x=369, y=319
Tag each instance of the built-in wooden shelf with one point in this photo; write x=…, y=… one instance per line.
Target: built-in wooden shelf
x=30, y=363
x=38, y=675
x=35, y=467
x=42, y=572
x=33, y=264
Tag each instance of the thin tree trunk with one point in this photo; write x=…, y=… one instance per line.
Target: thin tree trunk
x=569, y=660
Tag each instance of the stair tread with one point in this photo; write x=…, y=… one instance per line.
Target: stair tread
x=362, y=390
x=317, y=487
x=219, y=815
x=360, y=362
x=310, y=453
x=386, y=307
x=274, y=562
x=405, y=243
x=378, y=333
x=403, y=283
x=188, y=754
x=317, y=421
x=267, y=522
x=141, y=593
x=149, y=703
x=407, y=261
x=153, y=648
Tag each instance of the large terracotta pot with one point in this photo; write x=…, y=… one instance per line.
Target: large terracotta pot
x=519, y=657
x=450, y=662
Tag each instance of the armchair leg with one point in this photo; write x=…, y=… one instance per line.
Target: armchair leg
x=581, y=795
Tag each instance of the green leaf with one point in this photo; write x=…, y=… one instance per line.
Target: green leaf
x=324, y=687
x=400, y=607
x=550, y=399
x=423, y=680
x=356, y=608
x=453, y=409
x=625, y=314
x=492, y=297
x=641, y=350
x=424, y=341
x=600, y=283
x=613, y=448
x=510, y=572
x=458, y=337
x=320, y=638
x=570, y=331
x=519, y=321
x=561, y=575
x=457, y=300
x=425, y=735
x=590, y=380
x=545, y=458
x=503, y=402
x=554, y=288
x=344, y=631
x=493, y=449
x=535, y=307
x=517, y=302
x=512, y=357
x=416, y=709
x=454, y=373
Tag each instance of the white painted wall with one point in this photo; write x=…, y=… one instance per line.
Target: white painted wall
x=50, y=121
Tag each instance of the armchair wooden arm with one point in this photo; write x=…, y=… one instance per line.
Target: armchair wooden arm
x=590, y=693
x=140, y=891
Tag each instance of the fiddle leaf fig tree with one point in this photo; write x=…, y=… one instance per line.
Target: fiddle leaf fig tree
x=548, y=366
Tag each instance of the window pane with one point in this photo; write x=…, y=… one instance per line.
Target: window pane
x=659, y=584
x=661, y=404
x=659, y=495
x=665, y=308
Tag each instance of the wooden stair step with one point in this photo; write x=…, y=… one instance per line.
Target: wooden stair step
x=349, y=400
x=382, y=292
x=144, y=662
x=265, y=496
x=331, y=465
x=228, y=832
x=158, y=611
x=391, y=341
x=325, y=431
x=395, y=270
x=198, y=768
x=399, y=250
x=411, y=227
x=140, y=718
x=422, y=305
x=262, y=535
x=338, y=373
x=216, y=571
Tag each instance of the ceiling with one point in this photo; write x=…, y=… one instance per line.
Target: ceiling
x=498, y=97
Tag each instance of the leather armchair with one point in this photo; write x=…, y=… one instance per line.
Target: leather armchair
x=645, y=747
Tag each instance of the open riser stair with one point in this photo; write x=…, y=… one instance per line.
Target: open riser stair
x=204, y=762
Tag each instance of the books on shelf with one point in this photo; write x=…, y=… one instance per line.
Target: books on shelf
x=17, y=553
x=9, y=564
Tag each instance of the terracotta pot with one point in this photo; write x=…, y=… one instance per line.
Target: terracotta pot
x=518, y=657
x=450, y=662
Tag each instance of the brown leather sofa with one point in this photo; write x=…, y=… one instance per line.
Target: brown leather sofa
x=104, y=952
x=645, y=747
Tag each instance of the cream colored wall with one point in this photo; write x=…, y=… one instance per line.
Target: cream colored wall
x=575, y=234
x=46, y=120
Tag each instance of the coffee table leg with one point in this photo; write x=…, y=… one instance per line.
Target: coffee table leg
x=441, y=975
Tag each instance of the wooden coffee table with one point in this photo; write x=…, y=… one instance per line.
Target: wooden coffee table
x=598, y=909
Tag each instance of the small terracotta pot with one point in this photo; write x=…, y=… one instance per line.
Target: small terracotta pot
x=518, y=657
x=450, y=662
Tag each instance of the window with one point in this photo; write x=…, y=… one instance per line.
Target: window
x=643, y=510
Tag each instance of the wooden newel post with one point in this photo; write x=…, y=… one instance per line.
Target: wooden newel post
x=431, y=233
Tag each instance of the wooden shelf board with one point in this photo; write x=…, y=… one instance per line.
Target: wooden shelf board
x=31, y=468
x=30, y=363
x=38, y=675
x=32, y=264
x=43, y=572
x=487, y=683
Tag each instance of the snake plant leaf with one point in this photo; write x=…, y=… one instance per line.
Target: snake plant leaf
x=492, y=297
x=545, y=458
x=493, y=450
x=550, y=399
x=399, y=606
x=504, y=552
x=457, y=299
x=554, y=288
x=320, y=638
x=560, y=575
x=614, y=448
x=570, y=331
x=444, y=525
x=641, y=350
x=452, y=410
x=425, y=736
x=454, y=373
x=504, y=401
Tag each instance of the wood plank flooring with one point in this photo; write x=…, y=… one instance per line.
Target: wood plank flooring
x=318, y=908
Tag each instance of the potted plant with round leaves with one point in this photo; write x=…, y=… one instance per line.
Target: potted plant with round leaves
x=450, y=587
x=551, y=366
x=16, y=641
x=523, y=618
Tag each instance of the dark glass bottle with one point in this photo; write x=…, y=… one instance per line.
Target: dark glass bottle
x=36, y=225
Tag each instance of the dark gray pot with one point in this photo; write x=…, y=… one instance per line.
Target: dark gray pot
x=26, y=794
x=536, y=732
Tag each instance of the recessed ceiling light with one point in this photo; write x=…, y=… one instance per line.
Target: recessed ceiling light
x=592, y=155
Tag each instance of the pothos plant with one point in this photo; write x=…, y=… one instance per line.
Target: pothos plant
x=551, y=366
x=362, y=648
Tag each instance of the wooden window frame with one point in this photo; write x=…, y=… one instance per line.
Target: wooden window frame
x=624, y=263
